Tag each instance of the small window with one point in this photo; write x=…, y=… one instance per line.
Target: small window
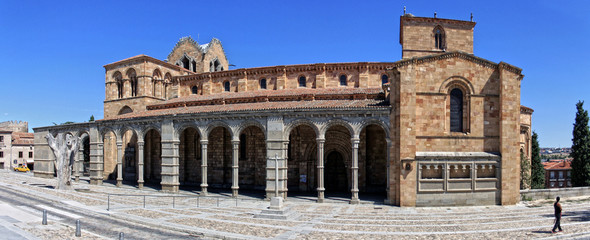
x=302, y=81
x=226, y=86
x=1, y=154
x=439, y=38
x=560, y=174
x=194, y=90
x=343, y=80
x=456, y=110
x=20, y=154
x=263, y=83
x=30, y=154
x=384, y=79
x=1, y=138
x=552, y=175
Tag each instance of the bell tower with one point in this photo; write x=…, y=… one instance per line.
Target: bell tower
x=423, y=36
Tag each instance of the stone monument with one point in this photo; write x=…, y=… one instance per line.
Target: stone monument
x=64, y=148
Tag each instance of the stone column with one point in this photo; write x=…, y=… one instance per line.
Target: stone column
x=355, y=171
x=170, y=144
x=285, y=170
x=388, y=200
x=204, y=167
x=119, y=158
x=78, y=161
x=97, y=166
x=140, y=180
x=320, y=180
x=234, y=185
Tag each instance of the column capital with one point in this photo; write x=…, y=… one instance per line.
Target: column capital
x=204, y=141
x=320, y=140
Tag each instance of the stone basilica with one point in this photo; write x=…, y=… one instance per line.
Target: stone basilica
x=440, y=127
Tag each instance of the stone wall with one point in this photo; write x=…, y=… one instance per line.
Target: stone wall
x=537, y=194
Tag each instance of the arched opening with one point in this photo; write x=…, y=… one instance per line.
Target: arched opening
x=157, y=83
x=384, y=79
x=302, y=160
x=130, y=157
x=456, y=108
x=119, y=82
x=373, y=161
x=252, y=161
x=131, y=75
x=190, y=161
x=125, y=110
x=86, y=151
x=439, y=38
x=226, y=86
x=343, y=80
x=219, y=158
x=335, y=175
x=186, y=63
x=302, y=81
x=215, y=66
x=194, y=66
x=167, y=82
x=109, y=156
x=152, y=154
x=195, y=90
x=263, y=83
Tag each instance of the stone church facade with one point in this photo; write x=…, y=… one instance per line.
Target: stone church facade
x=438, y=127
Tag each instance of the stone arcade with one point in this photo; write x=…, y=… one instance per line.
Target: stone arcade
x=438, y=127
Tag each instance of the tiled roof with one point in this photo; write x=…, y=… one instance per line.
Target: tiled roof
x=261, y=106
x=21, y=138
x=558, y=164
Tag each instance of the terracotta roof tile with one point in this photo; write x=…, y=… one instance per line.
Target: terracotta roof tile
x=558, y=164
x=21, y=138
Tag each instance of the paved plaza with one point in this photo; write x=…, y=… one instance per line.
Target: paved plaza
x=219, y=216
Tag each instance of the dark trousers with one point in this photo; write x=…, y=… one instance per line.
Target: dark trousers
x=557, y=224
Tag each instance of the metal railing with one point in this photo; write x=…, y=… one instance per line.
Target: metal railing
x=177, y=200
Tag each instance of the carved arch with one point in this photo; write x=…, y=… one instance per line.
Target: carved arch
x=374, y=121
x=178, y=129
x=215, y=124
x=303, y=121
x=456, y=82
x=250, y=123
x=339, y=122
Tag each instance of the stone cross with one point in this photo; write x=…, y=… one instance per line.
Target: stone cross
x=64, y=148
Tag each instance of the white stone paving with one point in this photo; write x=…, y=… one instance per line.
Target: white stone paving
x=328, y=220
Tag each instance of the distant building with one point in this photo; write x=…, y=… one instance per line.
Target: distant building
x=558, y=173
x=16, y=145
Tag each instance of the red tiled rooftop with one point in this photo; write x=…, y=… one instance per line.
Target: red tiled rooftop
x=21, y=138
x=557, y=164
x=260, y=106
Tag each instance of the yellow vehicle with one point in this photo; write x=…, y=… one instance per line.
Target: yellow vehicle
x=22, y=168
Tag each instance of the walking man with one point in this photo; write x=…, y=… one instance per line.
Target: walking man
x=557, y=208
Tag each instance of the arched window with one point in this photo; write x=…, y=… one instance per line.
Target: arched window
x=156, y=79
x=384, y=79
x=133, y=80
x=226, y=86
x=439, y=38
x=343, y=80
x=194, y=90
x=302, y=81
x=456, y=110
x=186, y=63
x=194, y=64
x=125, y=110
x=263, y=83
x=119, y=82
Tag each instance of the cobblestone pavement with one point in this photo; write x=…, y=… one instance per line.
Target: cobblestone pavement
x=218, y=216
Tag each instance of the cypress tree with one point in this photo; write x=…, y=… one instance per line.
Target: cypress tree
x=581, y=148
x=525, y=178
x=537, y=170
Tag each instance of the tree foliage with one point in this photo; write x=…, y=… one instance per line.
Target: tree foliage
x=581, y=148
x=525, y=178
x=537, y=170
x=91, y=118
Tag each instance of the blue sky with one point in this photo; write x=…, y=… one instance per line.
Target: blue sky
x=52, y=52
